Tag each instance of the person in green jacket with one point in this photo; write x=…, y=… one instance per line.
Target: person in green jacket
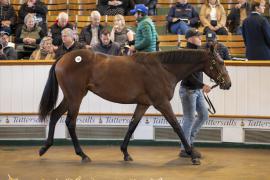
x=146, y=34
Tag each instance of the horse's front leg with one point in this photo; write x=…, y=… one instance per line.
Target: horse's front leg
x=55, y=116
x=71, y=125
x=139, y=112
x=166, y=109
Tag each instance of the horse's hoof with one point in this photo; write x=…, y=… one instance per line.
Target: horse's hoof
x=42, y=151
x=86, y=159
x=196, y=161
x=128, y=158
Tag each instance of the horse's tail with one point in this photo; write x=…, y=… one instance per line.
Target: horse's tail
x=50, y=94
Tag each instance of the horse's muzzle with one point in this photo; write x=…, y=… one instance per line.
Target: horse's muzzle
x=225, y=86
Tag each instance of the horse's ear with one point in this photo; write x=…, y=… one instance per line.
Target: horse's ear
x=211, y=46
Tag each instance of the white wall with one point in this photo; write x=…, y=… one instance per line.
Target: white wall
x=22, y=85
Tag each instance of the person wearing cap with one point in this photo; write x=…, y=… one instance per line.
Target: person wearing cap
x=192, y=99
x=222, y=50
x=237, y=15
x=256, y=33
x=146, y=34
x=6, y=50
x=182, y=17
x=151, y=4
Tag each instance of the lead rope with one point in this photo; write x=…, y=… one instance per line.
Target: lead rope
x=211, y=108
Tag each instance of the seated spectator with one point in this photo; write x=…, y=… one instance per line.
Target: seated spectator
x=121, y=34
x=213, y=17
x=256, y=32
x=113, y=7
x=60, y=24
x=45, y=50
x=182, y=17
x=28, y=36
x=222, y=50
x=8, y=16
x=151, y=4
x=7, y=51
x=90, y=34
x=237, y=15
x=69, y=44
x=106, y=46
x=38, y=9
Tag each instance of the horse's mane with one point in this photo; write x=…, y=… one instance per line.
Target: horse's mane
x=181, y=56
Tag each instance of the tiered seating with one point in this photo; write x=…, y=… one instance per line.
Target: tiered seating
x=81, y=7
x=56, y=6
x=235, y=43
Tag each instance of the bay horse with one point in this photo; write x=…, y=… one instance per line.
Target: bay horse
x=144, y=79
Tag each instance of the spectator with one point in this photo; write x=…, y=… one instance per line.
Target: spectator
x=237, y=15
x=106, y=46
x=28, y=36
x=182, y=17
x=151, y=4
x=90, y=34
x=113, y=7
x=192, y=99
x=213, y=17
x=8, y=16
x=60, y=24
x=7, y=51
x=222, y=50
x=38, y=9
x=256, y=33
x=146, y=35
x=121, y=34
x=45, y=51
x=69, y=44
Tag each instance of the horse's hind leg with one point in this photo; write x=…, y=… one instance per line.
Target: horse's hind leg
x=55, y=116
x=71, y=125
x=166, y=110
x=139, y=112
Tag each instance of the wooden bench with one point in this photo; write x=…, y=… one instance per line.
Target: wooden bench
x=81, y=7
x=235, y=43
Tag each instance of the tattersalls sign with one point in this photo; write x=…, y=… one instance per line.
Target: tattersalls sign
x=146, y=121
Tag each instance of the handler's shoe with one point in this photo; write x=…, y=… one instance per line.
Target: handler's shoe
x=184, y=154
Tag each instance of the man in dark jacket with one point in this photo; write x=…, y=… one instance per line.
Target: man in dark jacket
x=222, y=50
x=191, y=94
x=90, y=34
x=34, y=7
x=56, y=29
x=8, y=16
x=256, y=33
x=182, y=17
x=69, y=44
x=106, y=46
x=237, y=15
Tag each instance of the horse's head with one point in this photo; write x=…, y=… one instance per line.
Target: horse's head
x=215, y=67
